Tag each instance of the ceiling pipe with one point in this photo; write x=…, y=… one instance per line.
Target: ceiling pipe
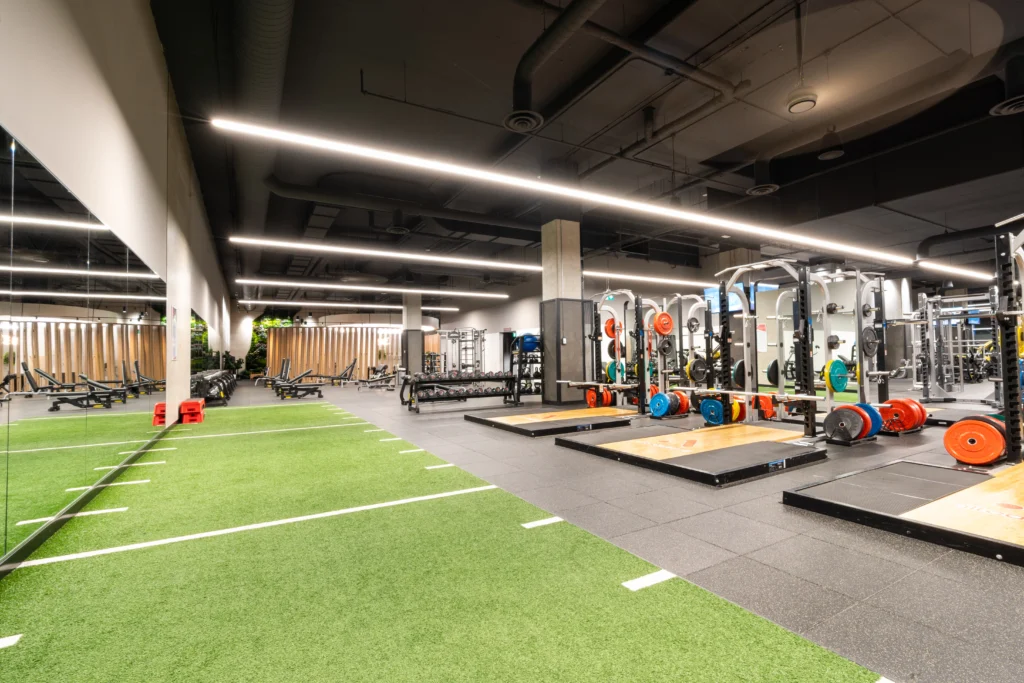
x=671, y=64
x=262, y=39
x=523, y=117
x=924, y=247
x=359, y=201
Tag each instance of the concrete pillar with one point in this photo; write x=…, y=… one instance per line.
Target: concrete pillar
x=560, y=256
x=412, y=332
x=179, y=318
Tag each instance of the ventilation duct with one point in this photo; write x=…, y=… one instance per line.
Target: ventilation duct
x=1013, y=77
x=762, y=179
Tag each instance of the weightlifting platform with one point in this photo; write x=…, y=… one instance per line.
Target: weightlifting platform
x=716, y=456
x=528, y=422
x=966, y=509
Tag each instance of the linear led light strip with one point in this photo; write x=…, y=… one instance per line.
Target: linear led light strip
x=317, y=284
x=81, y=295
x=332, y=304
x=380, y=253
x=663, y=211
x=75, y=271
x=51, y=222
x=644, y=278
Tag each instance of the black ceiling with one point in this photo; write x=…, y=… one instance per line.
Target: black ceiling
x=436, y=78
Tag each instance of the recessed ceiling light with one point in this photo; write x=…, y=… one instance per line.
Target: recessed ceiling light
x=289, y=245
x=726, y=237
x=803, y=241
x=335, y=304
x=801, y=100
x=319, y=284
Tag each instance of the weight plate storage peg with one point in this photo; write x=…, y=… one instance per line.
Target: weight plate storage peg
x=843, y=425
x=663, y=323
x=712, y=411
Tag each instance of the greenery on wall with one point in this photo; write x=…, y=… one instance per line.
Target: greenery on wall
x=256, y=359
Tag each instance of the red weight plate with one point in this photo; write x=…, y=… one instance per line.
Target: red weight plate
x=592, y=397
x=743, y=412
x=866, y=429
x=606, y=396
x=919, y=410
x=974, y=442
x=684, y=402
x=764, y=404
x=898, y=415
x=609, y=327
x=663, y=323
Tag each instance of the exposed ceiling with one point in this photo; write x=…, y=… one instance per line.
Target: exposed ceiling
x=906, y=84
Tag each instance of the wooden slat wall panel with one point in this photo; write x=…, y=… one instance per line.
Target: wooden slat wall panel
x=329, y=350
x=432, y=343
x=66, y=350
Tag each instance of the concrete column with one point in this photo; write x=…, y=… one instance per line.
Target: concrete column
x=560, y=256
x=179, y=318
x=412, y=332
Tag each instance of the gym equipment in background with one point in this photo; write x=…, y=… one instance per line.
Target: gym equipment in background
x=78, y=399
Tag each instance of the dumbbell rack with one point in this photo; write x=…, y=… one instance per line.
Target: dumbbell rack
x=522, y=368
x=416, y=388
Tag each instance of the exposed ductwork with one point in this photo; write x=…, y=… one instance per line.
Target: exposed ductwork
x=360, y=201
x=523, y=117
x=1013, y=77
x=261, y=44
x=924, y=248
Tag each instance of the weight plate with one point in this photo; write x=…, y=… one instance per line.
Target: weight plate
x=697, y=370
x=865, y=418
x=741, y=410
x=684, y=403
x=611, y=348
x=659, y=405
x=995, y=421
x=673, y=402
x=833, y=341
x=876, y=417
x=666, y=347
x=591, y=395
x=739, y=370
x=652, y=391
x=606, y=397
x=843, y=425
x=734, y=407
x=693, y=324
x=836, y=376
x=764, y=404
x=898, y=415
x=869, y=341
x=712, y=411
x=663, y=323
x=609, y=327
x=974, y=441
x=773, y=373
x=922, y=413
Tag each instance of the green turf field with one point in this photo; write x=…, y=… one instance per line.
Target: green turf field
x=443, y=588
x=841, y=396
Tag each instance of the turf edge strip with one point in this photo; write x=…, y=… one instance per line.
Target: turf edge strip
x=238, y=529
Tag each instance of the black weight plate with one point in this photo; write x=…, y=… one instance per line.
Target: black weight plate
x=869, y=341
x=666, y=346
x=698, y=369
x=739, y=372
x=843, y=425
x=773, y=373
x=693, y=324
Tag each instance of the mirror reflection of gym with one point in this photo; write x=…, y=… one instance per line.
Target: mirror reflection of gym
x=83, y=351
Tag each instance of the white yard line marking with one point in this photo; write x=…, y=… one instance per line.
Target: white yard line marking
x=649, y=580
x=270, y=405
x=393, y=438
x=151, y=450
x=101, y=486
x=76, y=514
x=182, y=438
x=134, y=464
x=368, y=431
x=411, y=450
x=352, y=418
x=92, y=414
x=9, y=640
x=238, y=529
x=541, y=522
x=437, y=467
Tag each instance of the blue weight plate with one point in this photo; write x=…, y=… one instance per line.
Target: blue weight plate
x=875, y=415
x=659, y=405
x=712, y=411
